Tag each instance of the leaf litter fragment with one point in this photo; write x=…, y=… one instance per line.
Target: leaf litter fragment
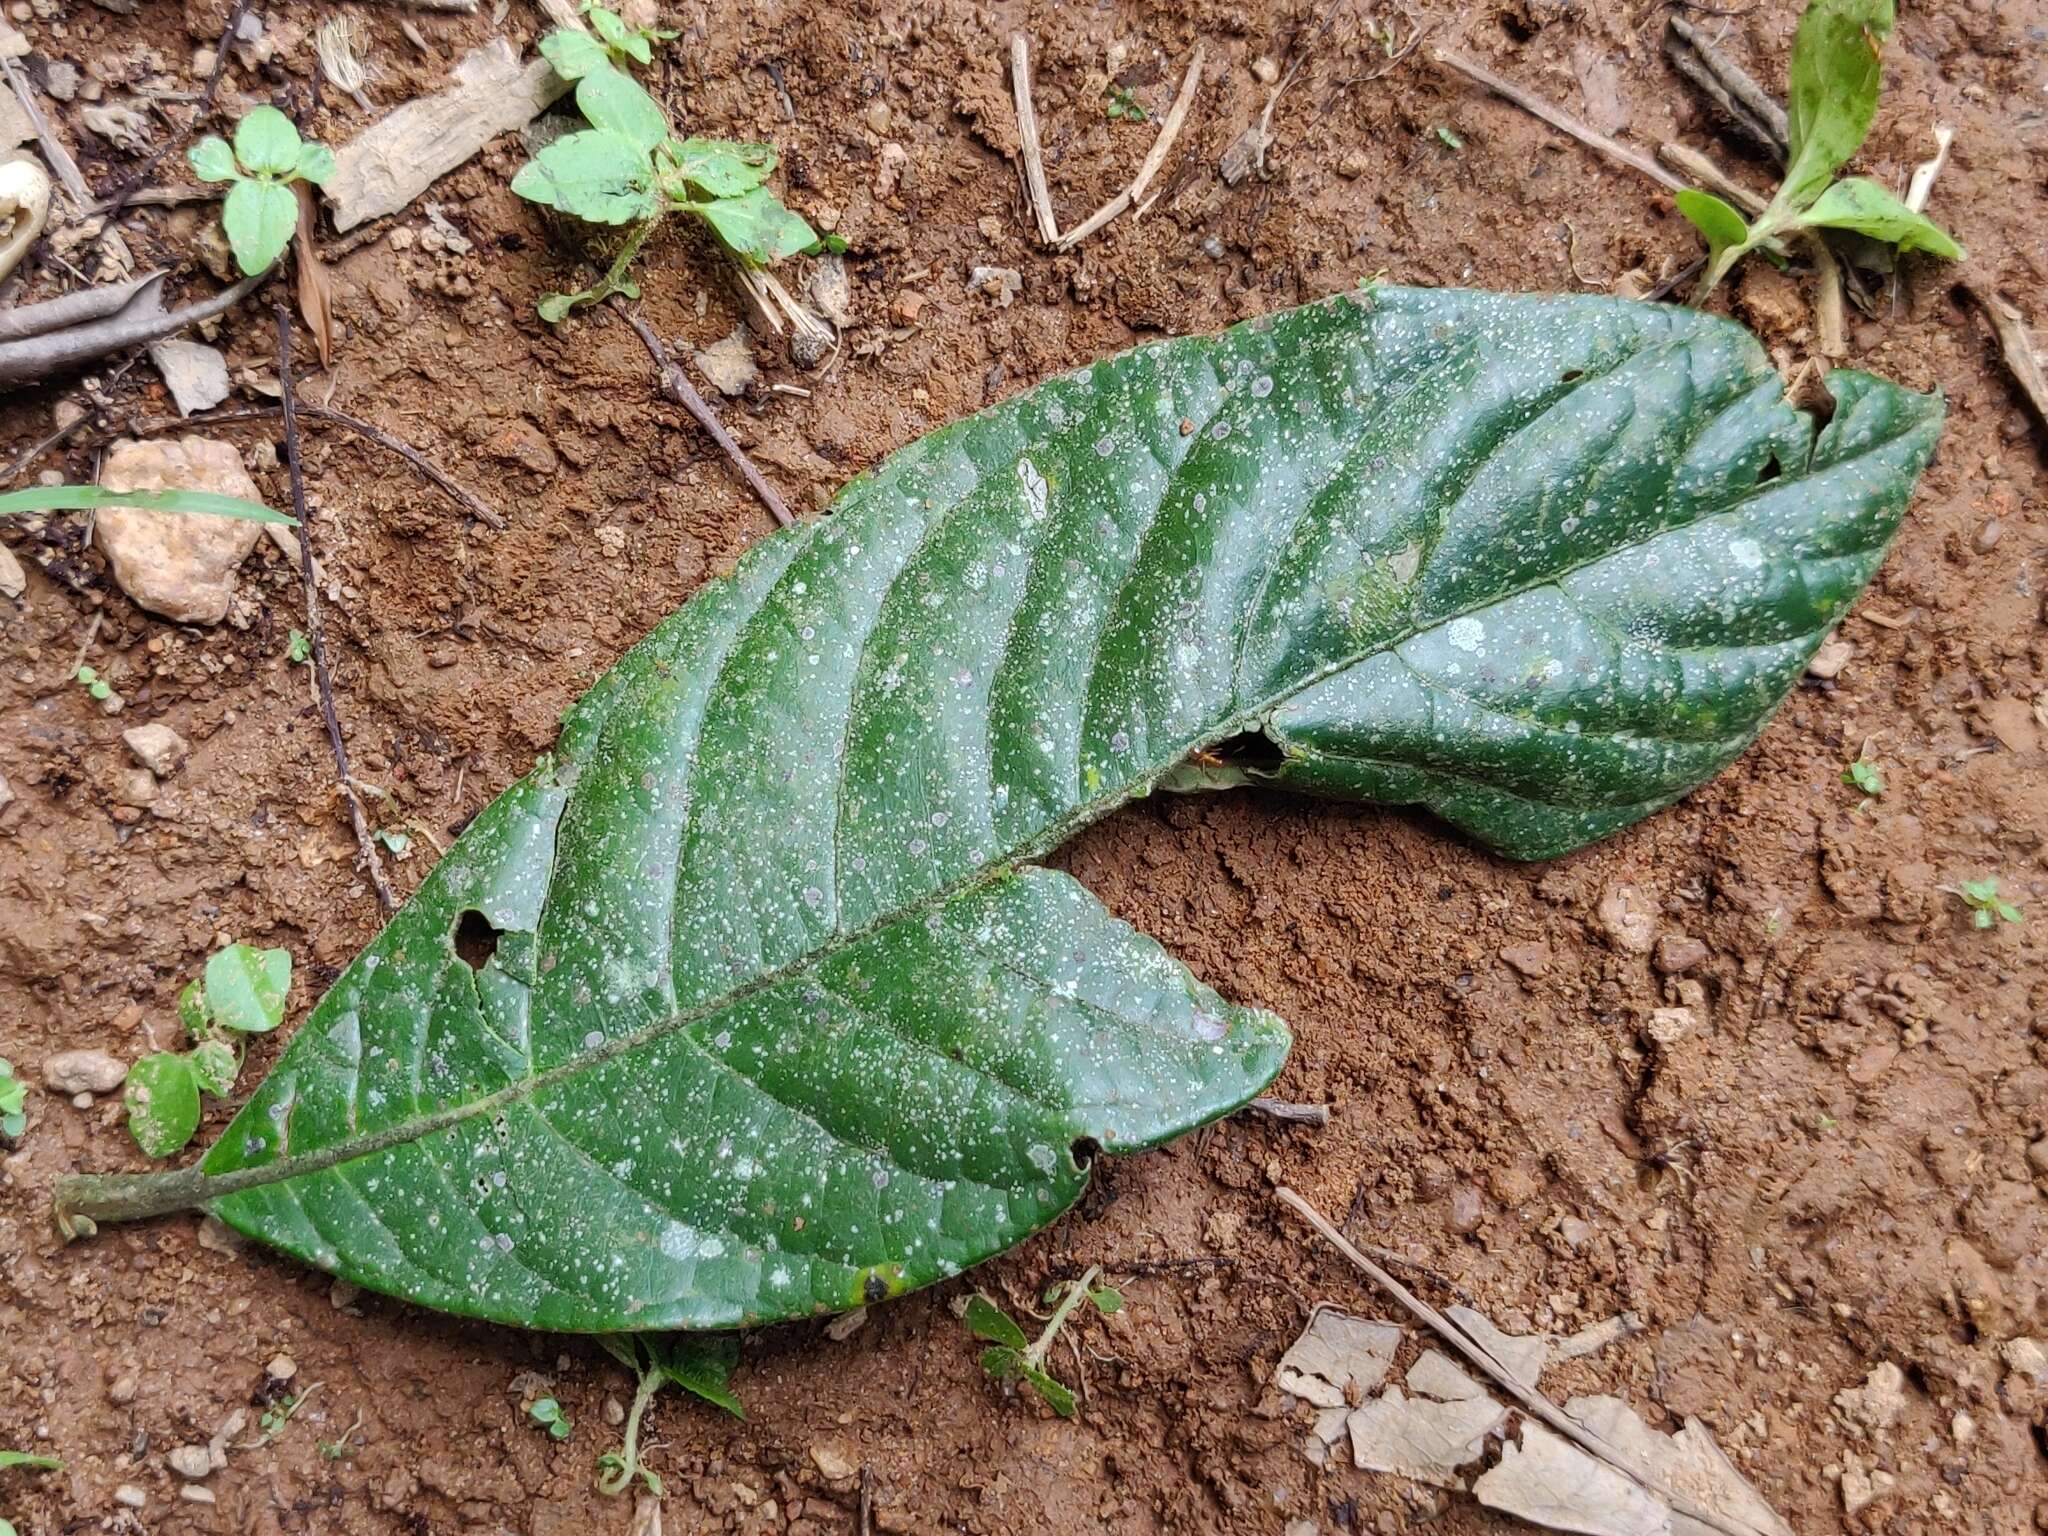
x=1338, y=1358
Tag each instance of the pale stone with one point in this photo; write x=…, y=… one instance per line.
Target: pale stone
x=175, y=563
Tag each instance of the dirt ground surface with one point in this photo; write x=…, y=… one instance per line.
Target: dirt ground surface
x=1838, y=1162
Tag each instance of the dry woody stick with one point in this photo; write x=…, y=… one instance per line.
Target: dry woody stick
x=1027, y=135
x=1161, y=148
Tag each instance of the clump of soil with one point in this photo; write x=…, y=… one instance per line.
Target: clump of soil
x=1831, y=1159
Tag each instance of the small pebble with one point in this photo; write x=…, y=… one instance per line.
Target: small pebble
x=1987, y=536
x=85, y=1071
x=1829, y=660
x=879, y=116
x=1678, y=953
x=614, y=1412
x=1265, y=70
x=191, y=1462
x=192, y=1493
x=130, y=1496
x=281, y=1368
x=1465, y=1212
x=124, y=1388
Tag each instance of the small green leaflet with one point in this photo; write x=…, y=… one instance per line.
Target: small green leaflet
x=1720, y=224
x=701, y=1364
x=985, y=1320
x=614, y=102
x=266, y=143
x=13, y=1096
x=721, y=168
x=595, y=175
x=11, y=1459
x=758, y=227
x=783, y=1014
x=212, y=160
x=245, y=988
x=259, y=217
x=162, y=1096
x=573, y=54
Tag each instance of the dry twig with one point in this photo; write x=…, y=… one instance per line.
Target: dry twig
x=2014, y=345
x=315, y=633
x=1729, y=86
x=1527, y=1398
x=1289, y=1113
x=475, y=505
x=1558, y=118
x=32, y=358
x=1027, y=136
x=52, y=146
x=1161, y=147
x=677, y=386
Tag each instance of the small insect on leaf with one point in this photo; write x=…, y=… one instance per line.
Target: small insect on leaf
x=986, y=1320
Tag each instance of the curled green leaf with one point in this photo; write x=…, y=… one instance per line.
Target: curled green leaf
x=1867, y=208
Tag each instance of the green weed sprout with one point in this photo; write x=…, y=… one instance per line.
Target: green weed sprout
x=242, y=993
x=1863, y=775
x=547, y=1413
x=34, y=1463
x=13, y=1095
x=628, y=168
x=261, y=210
x=1121, y=103
x=1011, y=1356
x=1835, y=78
x=1987, y=907
x=702, y=1364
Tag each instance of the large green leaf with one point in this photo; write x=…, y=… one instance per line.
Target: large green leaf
x=779, y=1017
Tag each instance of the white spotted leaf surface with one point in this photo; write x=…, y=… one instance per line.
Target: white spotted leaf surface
x=750, y=1003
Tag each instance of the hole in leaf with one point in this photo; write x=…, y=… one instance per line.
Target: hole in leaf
x=1250, y=750
x=476, y=940
x=1083, y=1150
x=1771, y=470
x=1571, y=376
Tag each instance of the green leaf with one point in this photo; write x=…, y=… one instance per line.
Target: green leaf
x=1835, y=78
x=162, y=1096
x=245, y=988
x=594, y=175
x=573, y=54
x=1001, y=1362
x=701, y=1364
x=1869, y=209
x=91, y=498
x=636, y=47
x=316, y=163
x=214, y=1067
x=614, y=102
x=259, y=217
x=1720, y=225
x=757, y=227
x=608, y=25
x=267, y=144
x=780, y=1015
x=723, y=168
x=10, y=1459
x=1107, y=1300
x=1056, y=1395
x=986, y=1320
x=212, y=160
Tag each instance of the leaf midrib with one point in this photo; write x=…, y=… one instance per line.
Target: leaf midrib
x=209, y=1187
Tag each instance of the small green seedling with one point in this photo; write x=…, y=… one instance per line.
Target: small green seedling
x=1863, y=775
x=1450, y=139
x=242, y=993
x=261, y=210
x=99, y=689
x=13, y=1095
x=1987, y=907
x=298, y=650
x=1122, y=104
x=1835, y=77
x=280, y=1413
x=629, y=169
x=343, y=1448
x=1011, y=1356
x=547, y=1413
x=698, y=1363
